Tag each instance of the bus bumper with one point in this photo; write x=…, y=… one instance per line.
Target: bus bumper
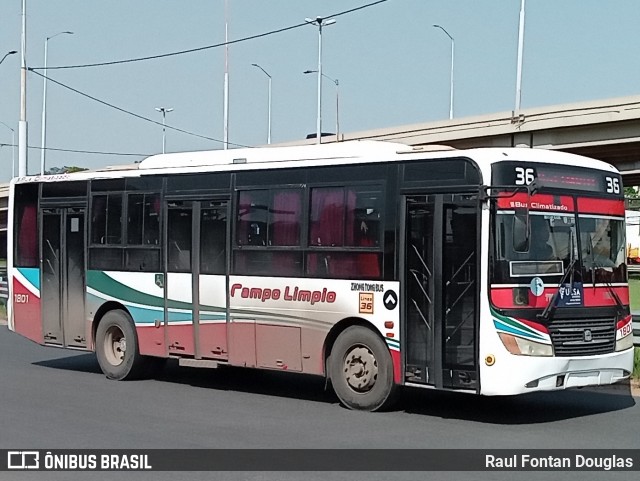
x=522, y=374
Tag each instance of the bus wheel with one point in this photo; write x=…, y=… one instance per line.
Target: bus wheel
x=361, y=370
x=117, y=346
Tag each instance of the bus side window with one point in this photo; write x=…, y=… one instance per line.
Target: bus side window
x=179, y=240
x=27, y=245
x=347, y=218
x=106, y=219
x=327, y=217
x=284, y=219
x=143, y=226
x=252, y=218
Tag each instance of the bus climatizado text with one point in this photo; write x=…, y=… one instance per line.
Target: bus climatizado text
x=490, y=271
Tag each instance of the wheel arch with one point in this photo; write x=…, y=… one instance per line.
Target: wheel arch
x=100, y=313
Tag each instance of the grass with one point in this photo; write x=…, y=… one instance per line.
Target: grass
x=636, y=363
x=634, y=293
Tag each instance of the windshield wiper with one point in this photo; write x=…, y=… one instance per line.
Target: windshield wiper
x=609, y=286
x=570, y=270
x=620, y=306
x=552, y=303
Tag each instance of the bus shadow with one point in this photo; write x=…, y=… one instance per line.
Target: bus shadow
x=533, y=408
x=255, y=381
x=227, y=378
x=80, y=363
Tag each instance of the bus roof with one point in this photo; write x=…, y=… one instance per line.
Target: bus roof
x=354, y=149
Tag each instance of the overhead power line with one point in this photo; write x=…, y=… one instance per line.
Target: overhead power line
x=95, y=99
x=199, y=49
x=74, y=151
x=128, y=112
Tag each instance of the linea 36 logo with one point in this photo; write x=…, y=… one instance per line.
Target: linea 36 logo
x=23, y=460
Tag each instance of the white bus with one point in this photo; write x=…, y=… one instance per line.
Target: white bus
x=490, y=271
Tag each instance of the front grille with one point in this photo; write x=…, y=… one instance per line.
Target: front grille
x=579, y=337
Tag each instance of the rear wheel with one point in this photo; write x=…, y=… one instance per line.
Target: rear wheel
x=117, y=347
x=361, y=370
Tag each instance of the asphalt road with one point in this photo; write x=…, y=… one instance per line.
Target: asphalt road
x=58, y=399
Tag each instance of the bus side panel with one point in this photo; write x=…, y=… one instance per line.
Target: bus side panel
x=313, y=306
x=213, y=316
x=151, y=340
x=140, y=296
x=25, y=299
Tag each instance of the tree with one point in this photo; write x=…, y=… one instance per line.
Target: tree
x=64, y=170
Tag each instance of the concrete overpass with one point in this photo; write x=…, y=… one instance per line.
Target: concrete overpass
x=608, y=130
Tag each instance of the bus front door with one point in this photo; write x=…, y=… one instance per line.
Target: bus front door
x=196, y=280
x=440, y=294
x=63, y=279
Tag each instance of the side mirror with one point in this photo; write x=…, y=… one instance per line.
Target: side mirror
x=521, y=230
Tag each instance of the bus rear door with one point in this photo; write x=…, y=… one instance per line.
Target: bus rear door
x=196, y=278
x=63, y=279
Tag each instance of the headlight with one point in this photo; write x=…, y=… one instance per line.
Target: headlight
x=624, y=334
x=525, y=347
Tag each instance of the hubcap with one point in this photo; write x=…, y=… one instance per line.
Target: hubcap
x=115, y=346
x=360, y=369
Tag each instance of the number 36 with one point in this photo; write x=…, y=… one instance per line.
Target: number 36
x=524, y=176
x=613, y=185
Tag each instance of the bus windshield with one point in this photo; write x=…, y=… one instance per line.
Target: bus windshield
x=602, y=241
x=555, y=239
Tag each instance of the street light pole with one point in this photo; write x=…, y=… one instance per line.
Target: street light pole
x=269, y=122
x=11, y=52
x=13, y=149
x=22, y=123
x=337, y=83
x=163, y=111
x=451, y=79
x=320, y=22
x=337, y=110
x=225, y=106
x=520, y=54
x=13, y=132
x=43, y=141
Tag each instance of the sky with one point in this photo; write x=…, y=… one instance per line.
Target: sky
x=392, y=65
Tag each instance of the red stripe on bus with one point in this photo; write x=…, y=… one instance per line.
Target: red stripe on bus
x=397, y=366
x=151, y=340
x=503, y=297
x=588, y=205
x=541, y=202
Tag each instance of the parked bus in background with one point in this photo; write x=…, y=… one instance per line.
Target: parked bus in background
x=490, y=271
x=633, y=240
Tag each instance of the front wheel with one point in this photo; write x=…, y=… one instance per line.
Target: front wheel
x=361, y=370
x=117, y=346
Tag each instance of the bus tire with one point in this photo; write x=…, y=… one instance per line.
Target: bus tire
x=117, y=347
x=361, y=370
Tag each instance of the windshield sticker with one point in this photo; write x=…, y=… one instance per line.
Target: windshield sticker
x=537, y=286
x=570, y=295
